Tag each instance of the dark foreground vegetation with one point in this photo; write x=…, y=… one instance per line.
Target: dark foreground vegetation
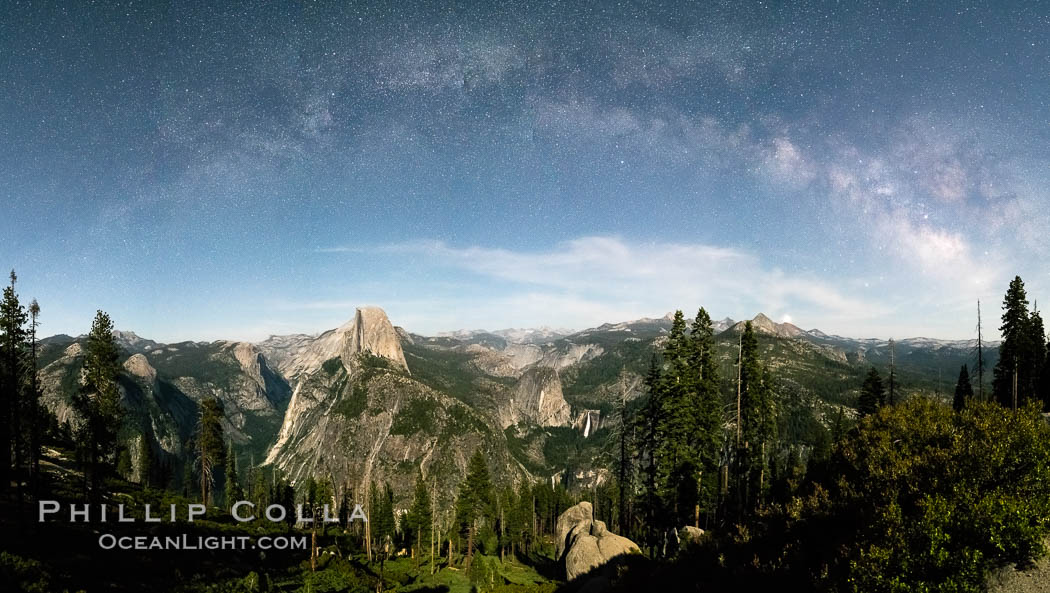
x=917, y=497
x=61, y=556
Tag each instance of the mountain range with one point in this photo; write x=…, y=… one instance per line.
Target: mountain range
x=369, y=401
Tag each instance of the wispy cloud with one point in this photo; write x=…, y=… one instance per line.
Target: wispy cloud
x=596, y=279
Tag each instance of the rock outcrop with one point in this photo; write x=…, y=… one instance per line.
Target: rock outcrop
x=689, y=535
x=139, y=366
x=537, y=398
x=584, y=544
x=369, y=331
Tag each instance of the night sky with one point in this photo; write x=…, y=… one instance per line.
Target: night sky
x=234, y=172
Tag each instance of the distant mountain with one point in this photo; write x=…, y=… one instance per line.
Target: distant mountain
x=537, y=335
x=765, y=325
x=722, y=325
x=132, y=342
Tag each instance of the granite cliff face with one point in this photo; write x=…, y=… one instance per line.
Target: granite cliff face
x=358, y=415
x=370, y=331
x=536, y=399
x=162, y=385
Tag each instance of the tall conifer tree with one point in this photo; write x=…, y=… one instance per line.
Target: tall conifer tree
x=12, y=354
x=649, y=429
x=706, y=412
x=234, y=492
x=871, y=394
x=35, y=413
x=1015, y=333
x=1034, y=357
x=98, y=401
x=758, y=422
x=673, y=451
x=474, y=503
x=418, y=520
x=891, y=387
x=963, y=390
x=626, y=469
x=210, y=449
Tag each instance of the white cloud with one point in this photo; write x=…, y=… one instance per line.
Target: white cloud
x=597, y=279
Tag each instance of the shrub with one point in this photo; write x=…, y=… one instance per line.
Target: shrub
x=484, y=572
x=921, y=498
x=21, y=574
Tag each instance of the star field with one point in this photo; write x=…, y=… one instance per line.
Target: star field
x=252, y=168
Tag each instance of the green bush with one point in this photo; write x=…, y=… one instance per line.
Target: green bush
x=484, y=573
x=920, y=498
x=21, y=574
x=339, y=575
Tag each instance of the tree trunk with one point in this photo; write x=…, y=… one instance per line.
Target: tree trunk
x=1015, y=382
x=368, y=539
x=470, y=546
x=762, y=477
x=313, y=546
x=739, y=378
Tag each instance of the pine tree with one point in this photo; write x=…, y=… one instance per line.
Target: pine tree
x=625, y=466
x=474, y=502
x=1044, y=380
x=963, y=390
x=36, y=414
x=344, y=506
x=649, y=429
x=418, y=520
x=527, y=512
x=145, y=460
x=209, y=448
x=12, y=357
x=673, y=454
x=98, y=401
x=324, y=495
x=1015, y=332
x=871, y=394
x=1034, y=358
x=387, y=520
x=234, y=492
x=707, y=417
x=980, y=355
x=891, y=388
x=124, y=463
x=374, y=503
x=260, y=492
x=758, y=422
